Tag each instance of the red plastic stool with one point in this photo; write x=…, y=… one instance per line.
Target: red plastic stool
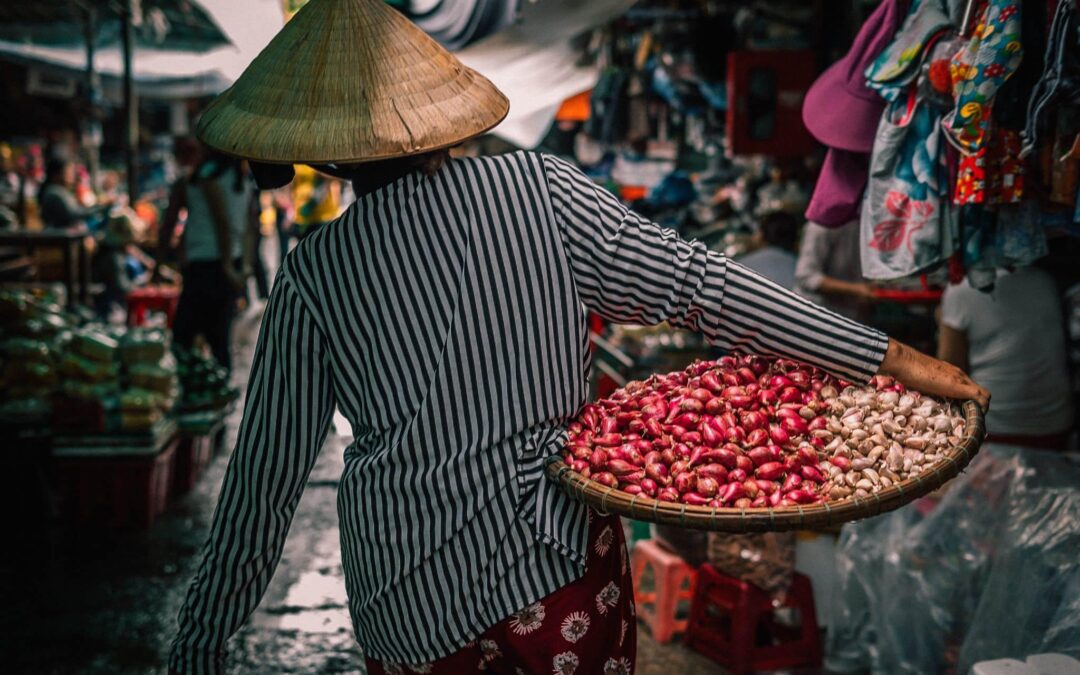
x=152, y=298
x=733, y=623
x=658, y=608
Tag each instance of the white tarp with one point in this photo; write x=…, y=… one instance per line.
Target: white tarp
x=534, y=65
x=532, y=61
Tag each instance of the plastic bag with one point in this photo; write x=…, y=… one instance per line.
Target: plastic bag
x=990, y=572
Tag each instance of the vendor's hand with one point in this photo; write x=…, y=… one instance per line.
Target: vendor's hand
x=931, y=376
x=864, y=292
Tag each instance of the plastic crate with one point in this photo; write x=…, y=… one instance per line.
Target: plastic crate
x=119, y=491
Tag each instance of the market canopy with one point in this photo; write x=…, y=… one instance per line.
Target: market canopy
x=175, y=25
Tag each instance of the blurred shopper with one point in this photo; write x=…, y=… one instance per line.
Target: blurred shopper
x=217, y=197
x=829, y=270
x=316, y=199
x=1013, y=341
x=443, y=314
x=774, y=248
x=56, y=198
x=13, y=187
x=283, y=221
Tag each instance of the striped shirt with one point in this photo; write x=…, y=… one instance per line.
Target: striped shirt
x=445, y=316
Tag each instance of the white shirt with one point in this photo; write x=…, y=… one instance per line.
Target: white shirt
x=200, y=240
x=773, y=263
x=1016, y=349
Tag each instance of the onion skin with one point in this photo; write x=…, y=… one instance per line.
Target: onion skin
x=606, y=478
x=707, y=487
x=757, y=437
x=694, y=499
x=792, y=481
x=716, y=471
x=770, y=471
x=668, y=494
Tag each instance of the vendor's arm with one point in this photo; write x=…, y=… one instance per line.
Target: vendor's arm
x=630, y=270
x=177, y=201
x=290, y=402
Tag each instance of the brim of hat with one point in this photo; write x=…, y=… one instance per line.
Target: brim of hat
x=284, y=140
x=836, y=117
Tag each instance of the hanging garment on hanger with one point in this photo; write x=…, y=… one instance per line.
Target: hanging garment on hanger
x=1061, y=74
x=898, y=65
x=989, y=58
x=994, y=174
x=907, y=224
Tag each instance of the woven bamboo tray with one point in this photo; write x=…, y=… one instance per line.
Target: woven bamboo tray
x=639, y=507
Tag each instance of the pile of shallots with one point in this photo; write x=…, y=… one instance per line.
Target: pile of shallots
x=753, y=432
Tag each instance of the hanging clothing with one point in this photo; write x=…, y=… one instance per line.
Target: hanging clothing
x=991, y=56
x=1061, y=75
x=445, y=317
x=906, y=224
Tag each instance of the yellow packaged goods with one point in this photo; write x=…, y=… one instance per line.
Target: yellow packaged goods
x=30, y=374
x=140, y=400
x=153, y=378
x=101, y=392
x=85, y=370
x=23, y=349
x=139, y=421
x=94, y=345
x=144, y=346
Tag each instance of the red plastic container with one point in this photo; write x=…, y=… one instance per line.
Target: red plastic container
x=735, y=624
x=152, y=298
x=115, y=491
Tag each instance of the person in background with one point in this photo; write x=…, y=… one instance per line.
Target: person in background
x=775, y=242
x=217, y=197
x=253, y=247
x=829, y=271
x=316, y=198
x=56, y=198
x=283, y=221
x=13, y=186
x=1013, y=341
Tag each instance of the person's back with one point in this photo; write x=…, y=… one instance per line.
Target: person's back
x=773, y=263
x=1016, y=348
x=200, y=236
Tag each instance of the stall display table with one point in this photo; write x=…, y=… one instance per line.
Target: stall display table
x=116, y=480
x=70, y=244
x=199, y=434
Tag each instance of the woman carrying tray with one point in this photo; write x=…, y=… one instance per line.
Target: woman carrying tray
x=444, y=314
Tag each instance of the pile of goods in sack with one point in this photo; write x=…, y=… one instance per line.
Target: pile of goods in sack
x=756, y=432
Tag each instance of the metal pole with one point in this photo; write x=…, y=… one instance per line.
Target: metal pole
x=91, y=127
x=131, y=103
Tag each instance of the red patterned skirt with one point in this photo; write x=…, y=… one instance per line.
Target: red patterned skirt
x=585, y=628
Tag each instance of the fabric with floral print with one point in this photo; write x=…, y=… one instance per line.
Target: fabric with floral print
x=574, y=626
x=566, y=663
x=897, y=66
x=990, y=57
x=527, y=620
x=584, y=628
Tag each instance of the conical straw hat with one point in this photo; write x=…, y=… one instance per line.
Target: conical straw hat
x=348, y=81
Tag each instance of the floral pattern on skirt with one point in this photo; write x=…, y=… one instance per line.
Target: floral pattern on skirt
x=584, y=628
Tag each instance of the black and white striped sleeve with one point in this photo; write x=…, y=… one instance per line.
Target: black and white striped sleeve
x=630, y=270
x=290, y=402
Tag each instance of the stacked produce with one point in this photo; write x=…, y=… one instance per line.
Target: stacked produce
x=204, y=385
x=752, y=432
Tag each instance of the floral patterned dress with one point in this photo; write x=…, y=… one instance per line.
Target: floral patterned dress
x=584, y=628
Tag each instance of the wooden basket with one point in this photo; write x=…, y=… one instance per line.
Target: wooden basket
x=639, y=507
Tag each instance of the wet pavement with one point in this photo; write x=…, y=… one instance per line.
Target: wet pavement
x=106, y=602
